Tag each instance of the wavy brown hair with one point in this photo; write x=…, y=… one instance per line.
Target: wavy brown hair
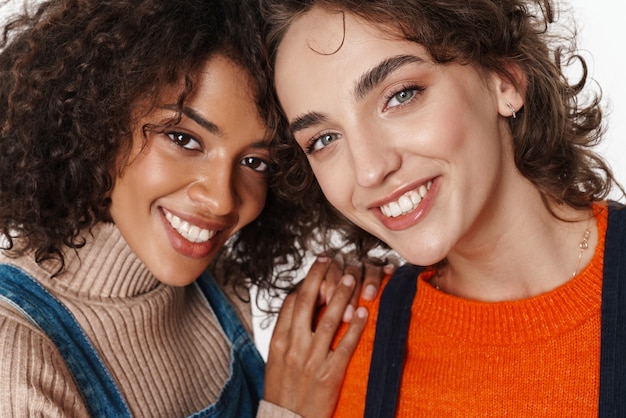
x=71, y=73
x=554, y=131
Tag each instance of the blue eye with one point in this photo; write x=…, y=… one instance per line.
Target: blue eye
x=402, y=97
x=321, y=142
x=185, y=141
x=257, y=164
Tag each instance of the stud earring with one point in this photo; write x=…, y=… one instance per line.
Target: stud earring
x=512, y=109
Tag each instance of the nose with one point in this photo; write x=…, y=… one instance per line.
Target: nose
x=213, y=189
x=374, y=157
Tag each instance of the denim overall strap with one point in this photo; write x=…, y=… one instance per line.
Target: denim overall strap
x=46, y=312
x=613, y=341
x=392, y=329
x=243, y=391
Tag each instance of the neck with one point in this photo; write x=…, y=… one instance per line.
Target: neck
x=531, y=254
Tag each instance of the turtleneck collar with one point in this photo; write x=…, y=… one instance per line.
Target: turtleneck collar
x=104, y=268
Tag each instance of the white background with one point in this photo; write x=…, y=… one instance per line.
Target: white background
x=601, y=42
x=602, y=35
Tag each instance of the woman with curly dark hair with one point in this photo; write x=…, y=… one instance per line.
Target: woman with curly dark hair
x=133, y=144
x=449, y=131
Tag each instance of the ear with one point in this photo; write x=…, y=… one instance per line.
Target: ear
x=510, y=89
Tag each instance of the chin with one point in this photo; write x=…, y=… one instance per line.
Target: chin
x=178, y=277
x=179, y=281
x=425, y=257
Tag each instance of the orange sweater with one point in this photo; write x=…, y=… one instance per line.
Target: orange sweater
x=528, y=358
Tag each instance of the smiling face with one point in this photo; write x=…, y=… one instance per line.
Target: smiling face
x=196, y=183
x=416, y=153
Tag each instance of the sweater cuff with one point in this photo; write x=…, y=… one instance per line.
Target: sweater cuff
x=269, y=410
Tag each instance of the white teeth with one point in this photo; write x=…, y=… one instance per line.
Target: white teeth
x=190, y=232
x=406, y=203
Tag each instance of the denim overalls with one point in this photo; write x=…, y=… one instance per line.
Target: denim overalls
x=239, y=397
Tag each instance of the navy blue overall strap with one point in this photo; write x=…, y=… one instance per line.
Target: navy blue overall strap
x=246, y=355
x=92, y=378
x=613, y=340
x=392, y=329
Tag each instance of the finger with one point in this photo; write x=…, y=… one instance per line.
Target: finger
x=305, y=301
x=348, y=343
x=331, y=318
x=372, y=281
x=390, y=268
x=283, y=323
x=357, y=271
x=293, y=329
x=332, y=279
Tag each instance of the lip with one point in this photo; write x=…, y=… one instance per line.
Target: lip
x=188, y=248
x=406, y=221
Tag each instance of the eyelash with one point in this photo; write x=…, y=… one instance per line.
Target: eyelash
x=405, y=88
x=181, y=139
x=178, y=138
x=310, y=146
x=249, y=162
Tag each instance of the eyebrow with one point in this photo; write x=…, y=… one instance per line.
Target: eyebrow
x=367, y=82
x=307, y=120
x=194, y=115
x=198, y=118
x=373, y=77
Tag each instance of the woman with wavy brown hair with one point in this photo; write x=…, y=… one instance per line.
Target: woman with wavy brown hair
x=133, y=145
x=449, y=131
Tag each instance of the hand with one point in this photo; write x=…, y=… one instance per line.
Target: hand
x=303, y=373
x=367, y=288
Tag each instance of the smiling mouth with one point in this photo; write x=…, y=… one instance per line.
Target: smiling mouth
x=191, y=233
x=406, y=203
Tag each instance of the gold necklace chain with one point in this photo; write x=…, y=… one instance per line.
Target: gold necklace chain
x=582, y=245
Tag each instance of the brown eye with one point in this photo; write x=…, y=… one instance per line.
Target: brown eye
x=184, y=141
x=257, y=164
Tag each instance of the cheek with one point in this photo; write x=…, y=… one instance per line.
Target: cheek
x=253, y=198
x=335, y=184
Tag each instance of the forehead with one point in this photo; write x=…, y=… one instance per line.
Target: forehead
x=333, y=49
x=330, y=36
x=326, y=31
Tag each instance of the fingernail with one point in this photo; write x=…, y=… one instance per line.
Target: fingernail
x=323, y=259
x=348, y=313
x=369, y=293
x=361, y=312
x=389, y=268
x=348, y=280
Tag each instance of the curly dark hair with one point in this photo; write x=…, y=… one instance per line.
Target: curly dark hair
x=554, y=131
x=71, y=72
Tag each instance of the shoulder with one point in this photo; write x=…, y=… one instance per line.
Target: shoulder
x=38, y=379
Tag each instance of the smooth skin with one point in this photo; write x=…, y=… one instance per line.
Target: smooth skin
x=302, y=373
x=209, y=170
x=376, y=111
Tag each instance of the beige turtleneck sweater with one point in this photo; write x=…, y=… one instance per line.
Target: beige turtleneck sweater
x=162, y=344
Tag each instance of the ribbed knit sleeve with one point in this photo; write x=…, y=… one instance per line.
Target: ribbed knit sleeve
x=33, y=375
